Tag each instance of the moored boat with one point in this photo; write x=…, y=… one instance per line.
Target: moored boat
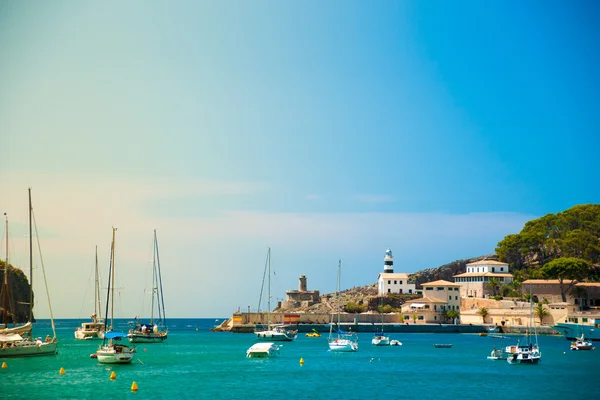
x=262, y=350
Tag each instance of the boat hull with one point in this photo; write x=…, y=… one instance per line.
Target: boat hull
x=380, y=341
x=147, y=338
x=262, y=350
x=275, y=336
x=343, y=345
x=29, y=349
x=573, y=331
x=115, y=355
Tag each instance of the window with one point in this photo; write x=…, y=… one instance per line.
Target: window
x=439, y=288
x=389, y=282
x=455, y=297
x=429, y=288
x=401, y=282
x=395, y=282
x=389, y=290
x=493, y=269
x=502, y=269
x=449, y=297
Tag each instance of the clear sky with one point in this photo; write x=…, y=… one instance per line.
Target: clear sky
x=324, y=130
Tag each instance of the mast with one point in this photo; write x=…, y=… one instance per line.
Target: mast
x=269, y=291
x=5, y=284
x=161, y=310
x=30, y=264
x=338, y=293
x=112, y=293
x=154, y=286
x=110, y=284
x=97, y=306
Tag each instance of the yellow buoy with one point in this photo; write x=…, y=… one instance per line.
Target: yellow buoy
x=61, y=371
x=113, y=375
x=4, y=366
x=134, y=387
x=301, y=361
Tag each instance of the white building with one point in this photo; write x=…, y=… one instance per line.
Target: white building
x=438, y=298
x=475, y=282
x=390, y=282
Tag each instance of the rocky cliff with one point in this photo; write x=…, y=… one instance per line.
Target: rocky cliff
x=14, y=298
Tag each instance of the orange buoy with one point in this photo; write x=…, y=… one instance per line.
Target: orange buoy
x=4, y=366
x=134, y=387
x=61, y=371
x=113, y=375
x=301, y=361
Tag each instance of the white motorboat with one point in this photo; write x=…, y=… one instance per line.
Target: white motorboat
x=262, y=350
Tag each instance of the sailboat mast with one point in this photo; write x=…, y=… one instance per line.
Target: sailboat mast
x=161, y=306
x=97, y=306
x=269, y=292
x=30, y=264
x=5, y=287
x=112, y=293
x=154, y=286
x=338, y=292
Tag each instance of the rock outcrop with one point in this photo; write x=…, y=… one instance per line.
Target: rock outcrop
x=14, y=299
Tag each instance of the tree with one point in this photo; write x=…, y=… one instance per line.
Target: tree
x=414, y=317
x=579, y=293
x=483, y=312
x=493, y=283
x=452, y=315
x=568, y=271
x=541, y=312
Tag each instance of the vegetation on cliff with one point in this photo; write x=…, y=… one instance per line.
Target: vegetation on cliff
x=574, y=233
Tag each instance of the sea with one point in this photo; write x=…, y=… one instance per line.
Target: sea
x=195, y=363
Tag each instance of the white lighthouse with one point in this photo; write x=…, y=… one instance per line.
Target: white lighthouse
x=388, y=262
x=389, y=282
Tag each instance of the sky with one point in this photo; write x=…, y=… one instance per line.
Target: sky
x=324, y=130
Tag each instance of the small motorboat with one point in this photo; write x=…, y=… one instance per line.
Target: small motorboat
x=395, y=342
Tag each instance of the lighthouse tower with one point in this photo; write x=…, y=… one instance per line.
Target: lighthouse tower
x=388, y=262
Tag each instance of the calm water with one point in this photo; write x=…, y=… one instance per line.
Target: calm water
x=197, y=364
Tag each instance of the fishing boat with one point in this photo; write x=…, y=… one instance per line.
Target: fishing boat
x=95, y=329
x=156, y=330
x=262, y=350
x=341, y=341
x=272, y=333
x=581, y=344
x=111, y=351
x=528, y=353
x=18, y=341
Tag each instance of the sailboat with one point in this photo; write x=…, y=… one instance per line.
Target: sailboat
x=581, y=344
x=342, y=341
x=94, y=329
x=12, y=343
x=379, y=339
x=273, y=332
x=111, y=351
x=155, y=331
x=529, y=353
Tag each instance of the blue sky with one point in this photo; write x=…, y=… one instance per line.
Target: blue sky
x=324, y=131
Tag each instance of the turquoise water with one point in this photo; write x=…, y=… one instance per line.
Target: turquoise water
x=197, y=364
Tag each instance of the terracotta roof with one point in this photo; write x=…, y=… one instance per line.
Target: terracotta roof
x=440, y=283
x=487, y=262
x=541, y=282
